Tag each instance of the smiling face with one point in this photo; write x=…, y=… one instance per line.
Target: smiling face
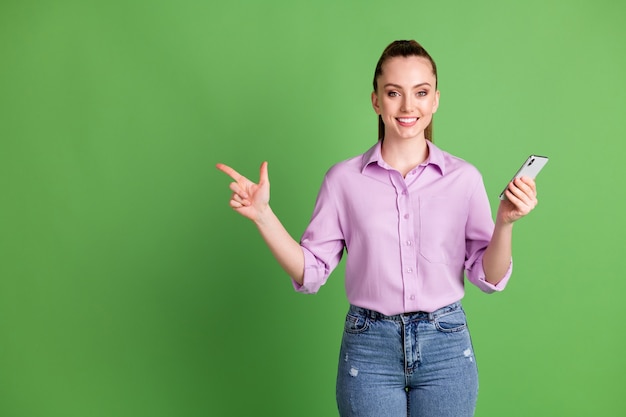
x=406, y=97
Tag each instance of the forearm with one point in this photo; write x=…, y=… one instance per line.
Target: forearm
x=497, y=257
x=285, y=249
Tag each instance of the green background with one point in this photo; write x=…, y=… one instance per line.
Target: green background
x=128, y=287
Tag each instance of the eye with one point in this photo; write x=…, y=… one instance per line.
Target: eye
x=393, y=94
x=422, y=93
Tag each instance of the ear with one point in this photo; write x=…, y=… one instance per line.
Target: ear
x=375, y=104
x=436, y=103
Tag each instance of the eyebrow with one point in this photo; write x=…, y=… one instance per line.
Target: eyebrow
x=400, y=87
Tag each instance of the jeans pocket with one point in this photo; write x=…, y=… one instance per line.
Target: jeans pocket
x=454, y=321
x=356, y=323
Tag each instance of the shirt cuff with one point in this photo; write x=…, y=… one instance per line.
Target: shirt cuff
x=477, y=277
x=314, y=275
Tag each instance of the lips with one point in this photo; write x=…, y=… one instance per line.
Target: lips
x=407, y=121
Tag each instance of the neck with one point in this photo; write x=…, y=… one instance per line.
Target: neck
x=404, y=155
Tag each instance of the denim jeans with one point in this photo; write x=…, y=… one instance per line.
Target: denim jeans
x=417, y=364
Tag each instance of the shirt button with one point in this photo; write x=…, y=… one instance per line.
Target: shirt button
x=406, y=216
x=409, y=270
x=409, y=243
x=412, y=297
x=404, y=192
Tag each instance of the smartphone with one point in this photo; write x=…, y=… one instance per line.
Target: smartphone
x=530, y=168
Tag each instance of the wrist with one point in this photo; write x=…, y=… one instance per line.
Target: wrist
x=502, y=224
x=264, y=214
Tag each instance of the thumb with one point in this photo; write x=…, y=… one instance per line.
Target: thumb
x=263, y=174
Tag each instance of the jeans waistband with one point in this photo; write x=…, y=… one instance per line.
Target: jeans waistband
x=417, y=315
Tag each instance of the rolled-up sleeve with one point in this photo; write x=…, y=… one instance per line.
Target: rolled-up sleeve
x=476, y=275
x=478, y=232
x=322, y=242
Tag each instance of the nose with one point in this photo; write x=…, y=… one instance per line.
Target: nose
x=407, y=104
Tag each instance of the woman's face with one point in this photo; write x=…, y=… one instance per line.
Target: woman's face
x=406, y=97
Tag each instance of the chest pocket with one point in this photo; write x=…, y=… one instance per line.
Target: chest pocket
x=441, y=230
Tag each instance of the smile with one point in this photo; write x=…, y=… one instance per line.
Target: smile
x=406, y=120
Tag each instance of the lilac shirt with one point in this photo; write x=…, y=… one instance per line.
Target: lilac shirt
x=409, y=240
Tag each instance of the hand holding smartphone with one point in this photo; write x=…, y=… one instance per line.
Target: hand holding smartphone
x=530, y=168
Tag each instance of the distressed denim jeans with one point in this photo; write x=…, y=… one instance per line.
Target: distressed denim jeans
x=417, y=365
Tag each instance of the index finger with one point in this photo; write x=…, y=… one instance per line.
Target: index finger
x=528, y=186
x=528, y=181
x=229, y=171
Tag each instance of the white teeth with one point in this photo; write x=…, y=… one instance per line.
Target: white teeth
x=406, y=119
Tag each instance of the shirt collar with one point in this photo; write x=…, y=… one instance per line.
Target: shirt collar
x=435, y=157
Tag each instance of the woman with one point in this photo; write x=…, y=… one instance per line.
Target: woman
x=414, y=220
